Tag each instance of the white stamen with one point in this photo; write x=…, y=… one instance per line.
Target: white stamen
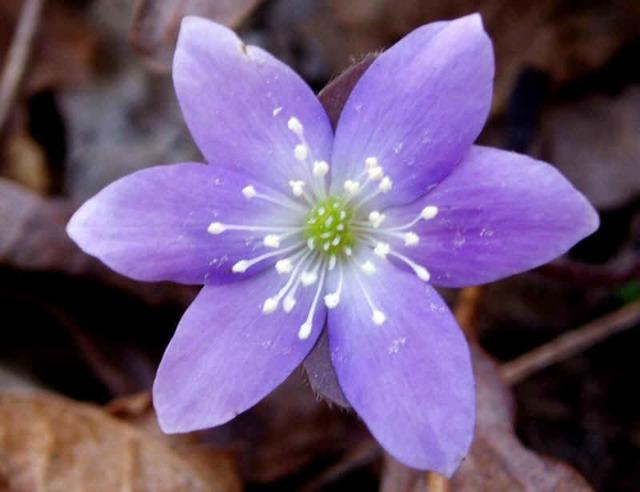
x=308, y=278
x=284, y=266
x=276, y=111
x=295, y=126
x=270, y=305
x=288, y=304
x=310, y=243
x=216, y=228
x=332, y=261
x=332, y=299
x=271, y=241
x=375, y=173
x=376, y=218
x=320, y=169
x=297, y=187
x=348, y=251
x=305, y=328
x=385, y=185
x=371, y=162
x=382, y=249
x=301, y=152
x=429, y=212
x=411, y=239
x=351, y=187
x=378, y=317
x=249, y=192
x=242, y=265
x=421, y=272
x=368, y=267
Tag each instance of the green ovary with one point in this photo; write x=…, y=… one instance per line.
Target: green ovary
x=328, y=225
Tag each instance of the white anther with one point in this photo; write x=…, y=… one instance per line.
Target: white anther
x=340, y=227
x=328, y=222
x=336, y=240
x=288, y=304
x=385, y=185
x=310, y=243
x=270, y=305
x=371, y=162
x=351, y=187
x=240, y=267
x=297, y=187
x=301, y=152
x=276, y=111
x=343, y=215
x=382, y=249
x=216, y=228
x=321, y=211
x=305, y=330
x=410, y=238
x=308, y=278
x=368, y=267
x=249, y=192
x=375, y=173
x=332, y=300
x=326, y=246
x=332, y=261
x=378, y=317
x=422, y=273
x=284, y=266
x=320, y=169
x=271, y=241
x=429, y=212
x=348, y=251
x=376, y=218
x=295, y=126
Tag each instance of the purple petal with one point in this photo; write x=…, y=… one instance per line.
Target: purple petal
x=227, y=354
x=500, y=213
x=410, y=379
x=418, y=108
x=237, y=100
x=152, y=225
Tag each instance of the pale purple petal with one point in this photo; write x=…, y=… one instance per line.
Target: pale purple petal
x=409, y=379
x=237, y=100
x=227, y=354
x=418, y=108
x=500, y=213
x=152, y=225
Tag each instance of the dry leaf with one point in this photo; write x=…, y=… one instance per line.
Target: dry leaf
x=49, y=443
x=65, y=48
x=156, y=23
x=34, y=238
x=561, y=37
x=594, y=142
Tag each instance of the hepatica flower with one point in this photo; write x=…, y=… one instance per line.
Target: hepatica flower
x=295, y=230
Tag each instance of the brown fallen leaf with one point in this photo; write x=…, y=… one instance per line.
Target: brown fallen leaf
x=563, y=38
x=64, y=50
x=49, y=443
x=156, y=23
x=594, y=142
x=34, y=238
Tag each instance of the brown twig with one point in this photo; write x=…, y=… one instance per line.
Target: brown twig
x=18, y=55
x=466, y=309
x=437, y=483
x=571, y=343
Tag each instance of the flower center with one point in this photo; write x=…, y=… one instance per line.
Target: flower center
x=328, y=226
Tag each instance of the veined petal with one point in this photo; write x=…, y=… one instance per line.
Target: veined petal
x=418, y=108
x=227, y=355
x=237, y=101
x=152, y=225
x=499, y=213
x=410, y=377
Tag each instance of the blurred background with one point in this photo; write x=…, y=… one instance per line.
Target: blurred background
x=86, y=97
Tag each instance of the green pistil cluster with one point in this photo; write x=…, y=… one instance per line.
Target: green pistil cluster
x=327, y=227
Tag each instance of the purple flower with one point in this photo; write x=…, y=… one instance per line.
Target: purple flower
x=292, y=228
